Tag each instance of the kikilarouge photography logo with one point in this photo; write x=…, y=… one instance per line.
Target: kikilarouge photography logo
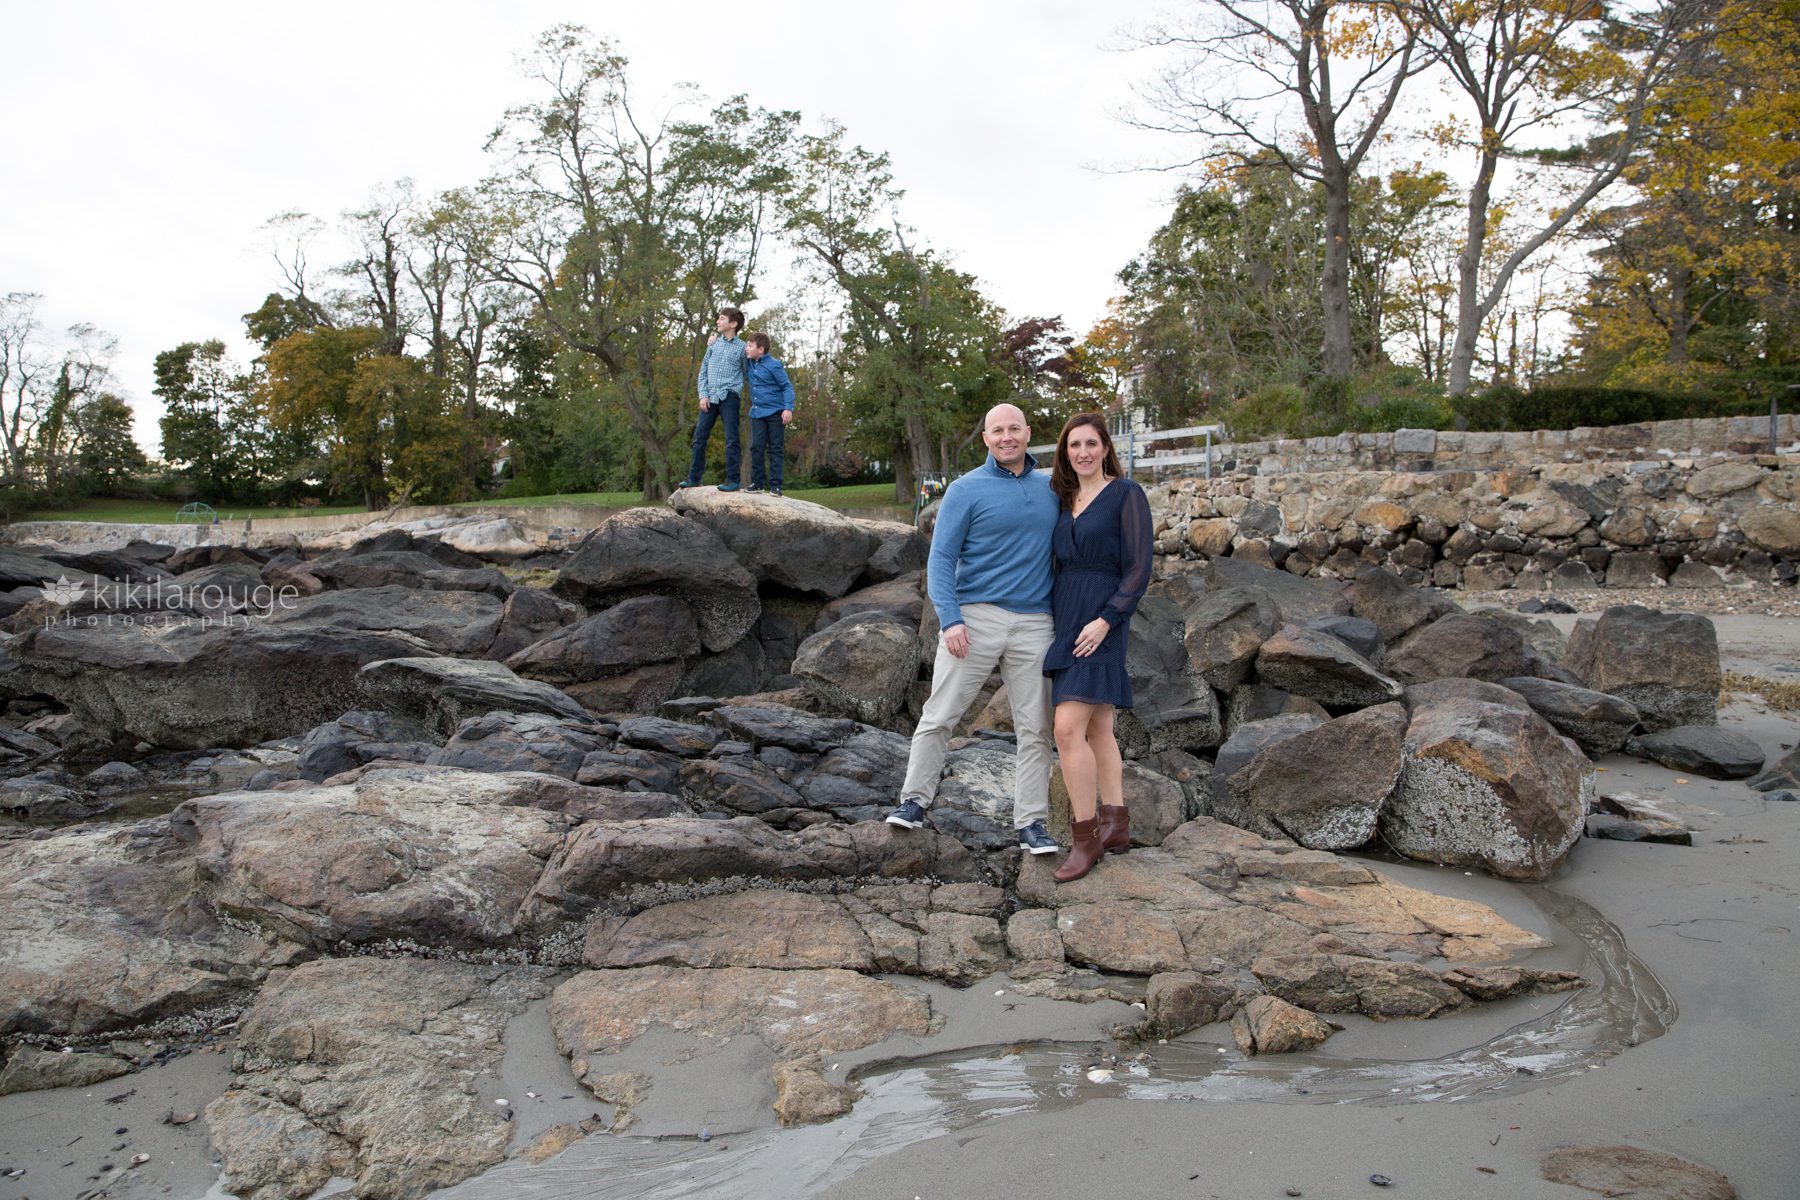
x=162, y=602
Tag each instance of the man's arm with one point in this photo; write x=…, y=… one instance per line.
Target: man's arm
x=940, y=570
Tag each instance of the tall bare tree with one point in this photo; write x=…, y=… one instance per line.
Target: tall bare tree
x=1529, y=69
x=1243, y=68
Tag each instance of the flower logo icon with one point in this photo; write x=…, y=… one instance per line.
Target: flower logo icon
x=62, y=592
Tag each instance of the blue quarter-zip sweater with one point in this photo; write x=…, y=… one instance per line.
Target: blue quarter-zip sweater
x=991, y=544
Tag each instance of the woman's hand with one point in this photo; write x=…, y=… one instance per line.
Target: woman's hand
x=1090, y=637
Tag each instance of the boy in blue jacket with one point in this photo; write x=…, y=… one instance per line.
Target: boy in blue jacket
x=771, y=409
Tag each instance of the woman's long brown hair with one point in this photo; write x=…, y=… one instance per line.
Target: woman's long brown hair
x=1063, y=480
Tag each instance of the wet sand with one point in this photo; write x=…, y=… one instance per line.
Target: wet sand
x=999, y=1101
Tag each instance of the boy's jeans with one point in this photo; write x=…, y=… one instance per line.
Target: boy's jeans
x=767, y=434
x=727, y=408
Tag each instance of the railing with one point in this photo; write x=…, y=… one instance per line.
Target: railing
x=1128, y=443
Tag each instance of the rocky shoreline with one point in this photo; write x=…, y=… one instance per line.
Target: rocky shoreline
x=355, y=812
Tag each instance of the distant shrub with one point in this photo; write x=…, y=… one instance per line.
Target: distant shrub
x=1571, y=406
x=1405, y=412
x=1277, y=410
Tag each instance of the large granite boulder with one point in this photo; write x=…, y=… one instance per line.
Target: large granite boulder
x=1488, y=784
x=514, y=741
x=630, y=634
x=368, y=1069
x=1666, y=665
x=1704, y=750
x=626, y=866
x=1460, y=645
x=1382, y=597
x=650, y=550
x=440, y=859
x=443, y=691
x=104, y=929
x=529, y=615
x=1173, y=706
x=407, y=569
x=1599, y=723
x=861, y=666
x=1223, y=632
x=1295, y=599
x=901, y=599
x=802, y=546
x=193, y=685
x=1322, y=786
x=1320, y=667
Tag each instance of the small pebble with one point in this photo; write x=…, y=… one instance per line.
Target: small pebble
x=1293, y=1191
x=502, y=1102
x=1381, y=1181
x=119, y=1130
x=138, y=1160
x=1100, y=1075
x=705, y=1134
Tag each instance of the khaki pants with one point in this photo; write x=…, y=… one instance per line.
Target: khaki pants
x=1016, y=642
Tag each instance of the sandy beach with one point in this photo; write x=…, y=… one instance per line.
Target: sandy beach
x=1687, y=1051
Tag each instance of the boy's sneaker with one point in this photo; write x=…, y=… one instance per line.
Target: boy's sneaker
x=774, y=491
x=752, y=488
x=728, y=486
x=910, y=815
x=688, y=483
x=1035, y=839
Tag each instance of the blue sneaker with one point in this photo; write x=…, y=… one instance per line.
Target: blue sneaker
x=687, y=483
x=1035, y=839
x=910, y=815
x=728, y=487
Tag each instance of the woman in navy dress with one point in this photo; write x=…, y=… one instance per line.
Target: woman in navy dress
x=1102, y=545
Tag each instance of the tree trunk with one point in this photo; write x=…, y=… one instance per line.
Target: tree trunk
x=1680, y=320
x=1338, y=358
x=1468, y=281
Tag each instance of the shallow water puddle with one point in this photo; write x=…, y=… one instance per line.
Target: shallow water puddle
x=915, y=1099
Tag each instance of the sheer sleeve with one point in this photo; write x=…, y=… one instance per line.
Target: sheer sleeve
x=1136, y=547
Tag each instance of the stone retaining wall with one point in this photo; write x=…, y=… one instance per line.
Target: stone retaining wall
x=1439, y=450
x=1642, y=523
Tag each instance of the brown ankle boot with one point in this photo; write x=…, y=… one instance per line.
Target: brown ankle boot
x=1115, y=828
x=1084, y=851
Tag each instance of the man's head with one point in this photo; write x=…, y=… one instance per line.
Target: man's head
x=730, y=321
x=756, y=345
x=1006, y=434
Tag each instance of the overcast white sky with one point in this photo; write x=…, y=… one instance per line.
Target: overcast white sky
x=144, y=145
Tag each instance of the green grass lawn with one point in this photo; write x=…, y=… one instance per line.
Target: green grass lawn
x=162, y=512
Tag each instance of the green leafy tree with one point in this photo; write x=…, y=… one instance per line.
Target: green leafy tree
x=105, y=453
x=1697, y=279
x=390, y=432
x=922, y=345
x=210, y=424
x=628, y=233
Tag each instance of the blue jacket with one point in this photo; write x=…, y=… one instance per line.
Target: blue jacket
x=771, y=391
x=722, y=370
x=991, y=544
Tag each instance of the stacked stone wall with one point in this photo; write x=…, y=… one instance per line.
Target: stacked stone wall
x=1447, y=450
x=1676, y=521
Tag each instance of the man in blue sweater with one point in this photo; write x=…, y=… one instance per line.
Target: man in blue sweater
x=771, y=408
x=721, y=386
x=989, y=579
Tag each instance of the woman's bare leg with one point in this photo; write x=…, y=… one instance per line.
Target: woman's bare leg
x=1073, y=722
x=1109, y=768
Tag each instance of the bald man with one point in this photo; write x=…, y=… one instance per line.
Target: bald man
x=989, y=579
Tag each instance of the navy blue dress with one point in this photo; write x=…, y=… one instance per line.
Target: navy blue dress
x=1102, y=568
